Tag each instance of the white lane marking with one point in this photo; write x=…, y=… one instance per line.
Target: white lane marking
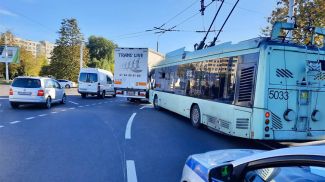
x=71, y=108
x=131, y=172
x=1, y=126
x=42, y=115
x=29, y=118
x=63, y=110
x=73, y=103
x=128, y=127
x=80, y=106
x=54, y=112
x=14, y=122
x=87, y=105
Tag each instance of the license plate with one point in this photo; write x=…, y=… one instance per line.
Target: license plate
x=24, y=93
x=131, y=93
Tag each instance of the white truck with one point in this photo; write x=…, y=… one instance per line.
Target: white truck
x=132, y=69
x=94, y=81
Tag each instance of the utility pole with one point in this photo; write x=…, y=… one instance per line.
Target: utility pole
x=202, y=7
x=290, y=16
x=81, y=53
x=6, y=59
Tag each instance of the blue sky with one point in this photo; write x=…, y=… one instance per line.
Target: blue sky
x=125, y=21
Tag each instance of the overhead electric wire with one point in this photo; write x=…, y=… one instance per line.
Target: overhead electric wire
x=32, y=21
x=245, y=9
x=192, y=16
x=181, y=12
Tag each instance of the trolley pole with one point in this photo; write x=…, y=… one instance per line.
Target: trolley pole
x=81, y=54
x=290, y=16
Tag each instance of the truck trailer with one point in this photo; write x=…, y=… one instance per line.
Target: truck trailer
x=132, y=71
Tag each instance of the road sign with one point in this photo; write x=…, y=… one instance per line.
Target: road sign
x=9, y=54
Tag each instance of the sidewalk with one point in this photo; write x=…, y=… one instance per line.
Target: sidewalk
x=4, y=90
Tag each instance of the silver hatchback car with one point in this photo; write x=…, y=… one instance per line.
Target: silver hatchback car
x=36, y=90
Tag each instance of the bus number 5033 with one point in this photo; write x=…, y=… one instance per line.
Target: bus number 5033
x=276, y=94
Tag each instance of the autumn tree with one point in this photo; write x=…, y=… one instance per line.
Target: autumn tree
x=28, y=64
x=308, y=14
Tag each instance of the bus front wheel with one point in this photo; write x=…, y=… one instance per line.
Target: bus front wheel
x=195, y=116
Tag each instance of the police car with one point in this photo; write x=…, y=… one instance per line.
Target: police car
x=297, y=164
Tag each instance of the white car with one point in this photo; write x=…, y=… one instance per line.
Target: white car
x=66, y=83
x=94, y=81
x=299, y=164
x=36, y=90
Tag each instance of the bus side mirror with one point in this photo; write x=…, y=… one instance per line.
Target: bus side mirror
x=221, y=173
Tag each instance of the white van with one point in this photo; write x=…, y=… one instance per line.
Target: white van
x=94, y=81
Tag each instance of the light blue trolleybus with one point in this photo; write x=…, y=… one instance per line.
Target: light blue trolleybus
x=263, y=88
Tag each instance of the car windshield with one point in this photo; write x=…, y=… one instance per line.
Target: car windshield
x=88, y=77
x=26, y=83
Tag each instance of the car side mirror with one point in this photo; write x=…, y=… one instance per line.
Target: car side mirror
x=221, y=173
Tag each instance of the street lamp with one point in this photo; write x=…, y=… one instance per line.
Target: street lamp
x=81, y=53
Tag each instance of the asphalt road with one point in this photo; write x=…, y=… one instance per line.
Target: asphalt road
x=100, y=140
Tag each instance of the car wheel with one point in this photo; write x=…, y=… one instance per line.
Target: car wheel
x=64, y=99
x=14, y=105
x=48, y=103
x=67, y=86
x=83, y=96
x=155, y=103
x=195, y=116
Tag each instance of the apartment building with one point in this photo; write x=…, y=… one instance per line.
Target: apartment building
x=36, y=47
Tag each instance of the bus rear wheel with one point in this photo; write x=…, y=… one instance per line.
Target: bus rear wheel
x=195, y=116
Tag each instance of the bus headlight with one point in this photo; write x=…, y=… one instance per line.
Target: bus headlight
x=289, y=115
x=315, y=116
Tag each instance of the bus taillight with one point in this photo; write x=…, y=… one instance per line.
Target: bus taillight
x=267, y=114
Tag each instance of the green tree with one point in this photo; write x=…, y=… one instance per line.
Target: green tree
x=101, y=53
x=66, y=55
x=308, y=13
